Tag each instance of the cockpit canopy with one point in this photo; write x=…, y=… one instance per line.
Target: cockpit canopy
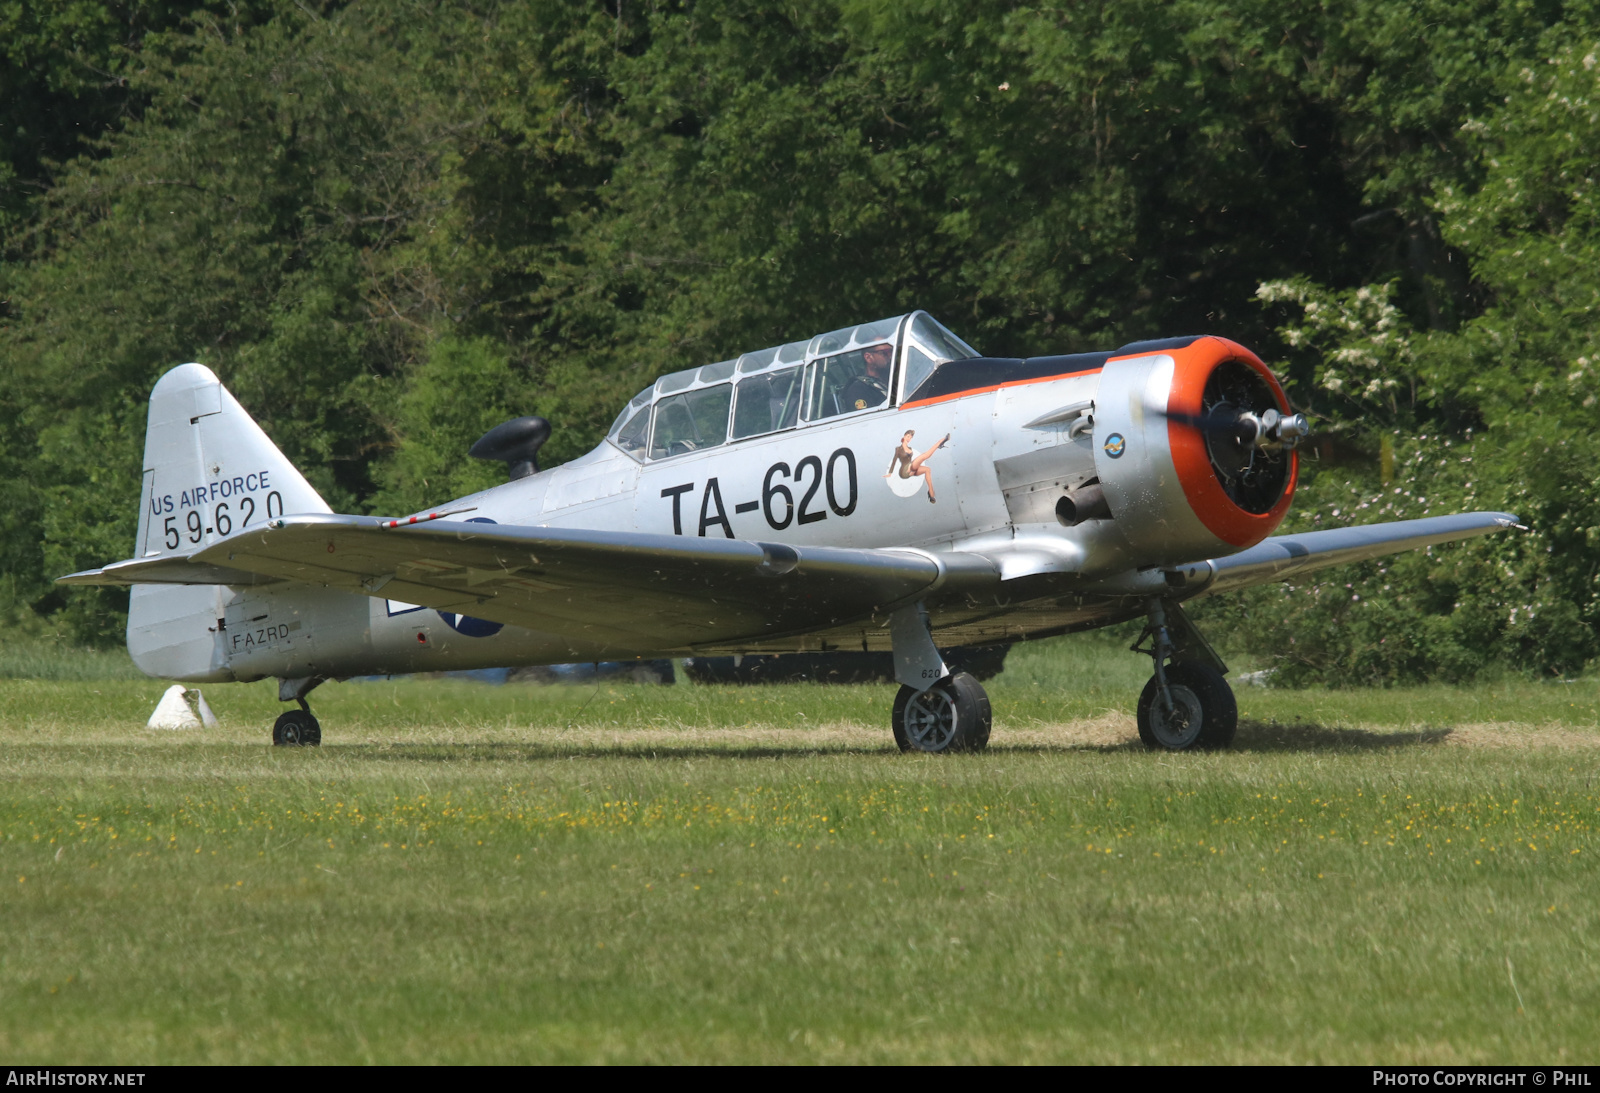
x=850, y=371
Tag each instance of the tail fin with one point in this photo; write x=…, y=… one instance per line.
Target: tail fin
x=209, y=471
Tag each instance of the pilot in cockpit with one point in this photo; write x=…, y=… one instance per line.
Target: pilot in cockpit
x=871, y=388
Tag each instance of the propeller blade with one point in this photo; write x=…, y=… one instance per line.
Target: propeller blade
x=1232, y=424
x=1245, y=426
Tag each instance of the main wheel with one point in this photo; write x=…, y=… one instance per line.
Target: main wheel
x=952, y=715
x=296, y=728
x=1204, y=714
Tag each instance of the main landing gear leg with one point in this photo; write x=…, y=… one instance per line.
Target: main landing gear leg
x=935, y=710
x=297, y=728
x=1187, y=703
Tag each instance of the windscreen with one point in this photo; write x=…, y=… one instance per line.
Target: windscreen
x=929, y=346
x=939, y=343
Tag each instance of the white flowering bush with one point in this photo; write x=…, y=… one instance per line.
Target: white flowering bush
x=1361, y=343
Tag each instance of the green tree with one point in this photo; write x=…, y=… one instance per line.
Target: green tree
x=386, y=226
x=65, y=79
x=302, y=207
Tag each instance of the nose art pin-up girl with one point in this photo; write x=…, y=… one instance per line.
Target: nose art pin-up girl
x=907, y=464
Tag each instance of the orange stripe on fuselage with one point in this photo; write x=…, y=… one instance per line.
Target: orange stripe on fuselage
x=995, y=387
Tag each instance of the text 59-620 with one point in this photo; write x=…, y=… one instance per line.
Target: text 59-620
x=220, y=507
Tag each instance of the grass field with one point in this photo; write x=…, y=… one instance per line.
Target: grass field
x=632, y=873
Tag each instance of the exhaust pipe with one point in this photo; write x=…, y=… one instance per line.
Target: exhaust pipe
x=1087, y=502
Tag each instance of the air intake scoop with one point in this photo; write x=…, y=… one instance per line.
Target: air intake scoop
x=515, y=443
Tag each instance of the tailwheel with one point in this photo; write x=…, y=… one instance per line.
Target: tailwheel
x=1203, y=714
x=296, y=728
x=952, y=715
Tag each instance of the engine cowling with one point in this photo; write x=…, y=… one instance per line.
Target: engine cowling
x=1188, y=451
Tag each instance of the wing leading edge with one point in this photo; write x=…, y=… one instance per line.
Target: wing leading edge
x=1285, y=556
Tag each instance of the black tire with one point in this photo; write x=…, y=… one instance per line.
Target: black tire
x=952, y=715
x=296, y=728
x=1207, y=717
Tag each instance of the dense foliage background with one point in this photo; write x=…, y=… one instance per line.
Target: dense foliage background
x=390, y=226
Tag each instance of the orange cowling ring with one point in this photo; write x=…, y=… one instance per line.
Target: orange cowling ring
x=1217, y=511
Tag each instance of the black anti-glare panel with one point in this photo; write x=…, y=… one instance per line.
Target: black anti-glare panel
x=976, y=373
x=1158, y=345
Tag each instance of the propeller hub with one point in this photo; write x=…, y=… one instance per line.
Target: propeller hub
x=1247, y=447
x=1292, y=429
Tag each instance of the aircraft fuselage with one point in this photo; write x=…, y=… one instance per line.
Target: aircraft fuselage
x=837, y=482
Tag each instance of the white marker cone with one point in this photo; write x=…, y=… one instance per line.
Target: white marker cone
x=172, y=712
x=207, y=718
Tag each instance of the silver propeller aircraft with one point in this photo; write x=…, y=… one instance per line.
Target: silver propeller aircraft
x=881, y=487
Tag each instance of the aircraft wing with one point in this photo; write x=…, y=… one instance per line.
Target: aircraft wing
x=1285, y=556
x=613, y=588
x=628, y=590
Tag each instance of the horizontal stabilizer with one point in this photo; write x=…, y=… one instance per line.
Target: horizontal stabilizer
x=168, y=570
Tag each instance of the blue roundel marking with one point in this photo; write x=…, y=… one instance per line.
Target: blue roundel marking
x=469, y=626
x=466, y=625
x=1115, y=445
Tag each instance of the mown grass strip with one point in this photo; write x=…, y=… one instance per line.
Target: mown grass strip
x=466, y=873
